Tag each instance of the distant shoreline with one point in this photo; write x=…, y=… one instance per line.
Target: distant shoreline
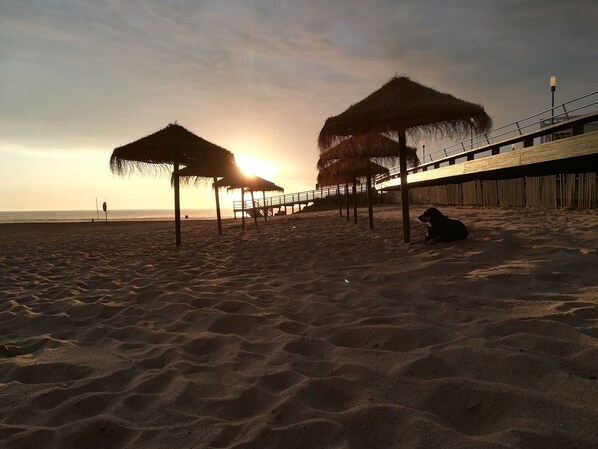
x=85, y=216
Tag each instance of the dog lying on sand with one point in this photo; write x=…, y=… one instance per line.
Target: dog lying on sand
x=441, y=228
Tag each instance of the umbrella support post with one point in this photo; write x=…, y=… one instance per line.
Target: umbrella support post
x=177, y=204
x=254, y=208
x=218, y=216
x=243, y=207
x=347, y=200
x=404, y=186
x=340, y=204
x=355, y=200
x=370, y=205
x=265, y=208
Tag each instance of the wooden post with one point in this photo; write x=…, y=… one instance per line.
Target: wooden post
x=177, y=201
x=354, y=200
x=254, y=208
x=404, y=186
x=265, y=207
x=218, y=216
x=243, y=207
x=340, y=204
x=347, y=200
x=370, y=205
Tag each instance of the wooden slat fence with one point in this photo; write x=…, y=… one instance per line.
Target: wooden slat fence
x=574, y=191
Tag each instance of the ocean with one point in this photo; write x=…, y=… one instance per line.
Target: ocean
x=56, y=216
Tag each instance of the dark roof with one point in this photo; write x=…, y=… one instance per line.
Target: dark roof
x=404, y=105
x=346, y=170
x=163, y=148
x=376, y=147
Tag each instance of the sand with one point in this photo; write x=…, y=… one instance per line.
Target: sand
x=307, y=332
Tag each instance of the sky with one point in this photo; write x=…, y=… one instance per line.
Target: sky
x=79, y=78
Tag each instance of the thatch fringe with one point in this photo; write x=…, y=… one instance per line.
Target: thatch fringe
x=123, y=167
x=346, y=170
x=203, y=175
x=157, y=152
x=249, y=183
x=376, y=147
x=406, y=106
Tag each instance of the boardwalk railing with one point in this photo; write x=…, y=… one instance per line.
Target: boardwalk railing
x=524, y=134
x=281, y=202
x=582, y=105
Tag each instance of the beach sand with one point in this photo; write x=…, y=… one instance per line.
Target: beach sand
x=307, y=332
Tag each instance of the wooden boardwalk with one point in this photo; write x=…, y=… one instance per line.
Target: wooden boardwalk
x=461, y=177
x=575, y=154
x=279, y=204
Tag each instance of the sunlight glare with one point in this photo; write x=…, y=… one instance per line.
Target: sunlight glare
x=253, y=165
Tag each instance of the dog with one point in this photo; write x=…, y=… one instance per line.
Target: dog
x=442, y=228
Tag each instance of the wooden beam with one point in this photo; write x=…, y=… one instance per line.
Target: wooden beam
x=556, y=153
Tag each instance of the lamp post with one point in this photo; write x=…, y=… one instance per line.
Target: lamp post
x=424, y=152
x=552, y=89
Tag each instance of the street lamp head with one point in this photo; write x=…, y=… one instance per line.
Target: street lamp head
x=553, y=83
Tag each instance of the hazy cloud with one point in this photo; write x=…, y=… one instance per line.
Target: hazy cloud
x=96, y=73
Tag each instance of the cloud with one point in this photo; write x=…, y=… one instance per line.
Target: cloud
x=100, y=73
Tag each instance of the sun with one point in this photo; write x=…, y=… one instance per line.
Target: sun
x=253, y=165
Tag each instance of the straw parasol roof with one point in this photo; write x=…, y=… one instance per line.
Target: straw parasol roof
x=239, y=180
x=160, y=150
x=359, y=149
x=206, y=172
x=250, y=183
x=405, y=107
x=346, y=170
x=376, y=147
x=211, y=168
x=171, y=146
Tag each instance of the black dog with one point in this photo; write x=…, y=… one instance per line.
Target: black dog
x=441, y=228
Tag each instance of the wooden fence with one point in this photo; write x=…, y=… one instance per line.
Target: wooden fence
x=574, y=191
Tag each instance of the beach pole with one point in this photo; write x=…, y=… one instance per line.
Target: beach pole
x=97, y=209
x=218, y=216
x=254, y=208
x=177, y=204
x=347, y=200
x=354, y=200
x=105, y=208
x=404, y=186
x=265, y=207
x=370, y=205
x=340, y=204
x=243, y=207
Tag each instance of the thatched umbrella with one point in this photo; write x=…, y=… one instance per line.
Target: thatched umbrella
x=348, y=170
x=404, y=106
x=366, y=147
x=209, y=170
x=376, y=147
x=239, y=180
x=171, y=146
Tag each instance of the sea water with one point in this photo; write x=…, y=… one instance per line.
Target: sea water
x=55, y=216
